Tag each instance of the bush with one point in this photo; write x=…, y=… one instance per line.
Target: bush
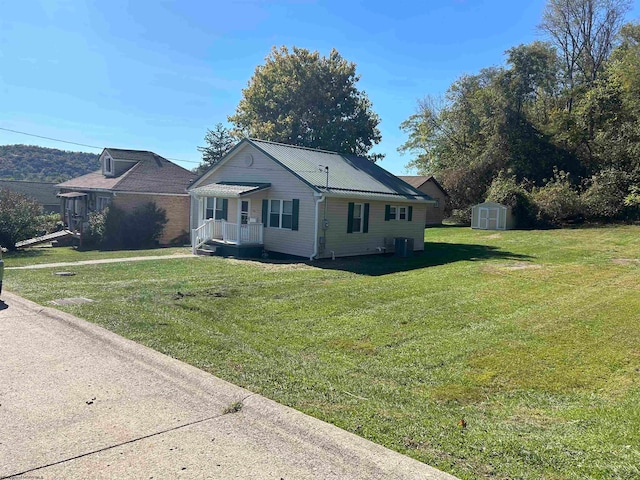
x=18, y=218
x=558, y=202
x=505, y=190
x=605, y=194
x=139, y=229
x=94, y=234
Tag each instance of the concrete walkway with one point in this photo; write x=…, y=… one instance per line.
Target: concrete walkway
x=78, y=402
x=103, y=260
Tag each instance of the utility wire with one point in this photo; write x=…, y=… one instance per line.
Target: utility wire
x=80, y=144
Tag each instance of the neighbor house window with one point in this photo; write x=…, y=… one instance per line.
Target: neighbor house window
x=437, y=204
x=281, y=213
x=102, y=203
x=108, y=165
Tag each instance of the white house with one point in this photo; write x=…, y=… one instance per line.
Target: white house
x=266, y=196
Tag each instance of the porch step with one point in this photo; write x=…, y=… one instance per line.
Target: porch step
x=206, y=250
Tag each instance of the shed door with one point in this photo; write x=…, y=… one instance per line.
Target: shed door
x=488, y=218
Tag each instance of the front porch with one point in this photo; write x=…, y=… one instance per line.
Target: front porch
x=220, y=233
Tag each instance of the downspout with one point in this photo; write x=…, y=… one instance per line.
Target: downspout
x=315, y=231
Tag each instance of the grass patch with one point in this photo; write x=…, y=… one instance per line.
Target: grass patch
x=41, y=255
x=530, y=337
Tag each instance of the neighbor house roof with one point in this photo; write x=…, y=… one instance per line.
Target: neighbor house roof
x=349, y=175
x=43, y=192
x=418, y=180
x=150, y=174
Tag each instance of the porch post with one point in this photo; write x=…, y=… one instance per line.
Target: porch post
x=239, y=218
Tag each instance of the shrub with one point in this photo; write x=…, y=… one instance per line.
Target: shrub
x=605, y=194
x=139, y=229
x=94, y=234
x=558, y=202
x=506, y=190
x=18, y=218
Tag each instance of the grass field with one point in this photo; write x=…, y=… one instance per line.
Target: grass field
x=532, y=337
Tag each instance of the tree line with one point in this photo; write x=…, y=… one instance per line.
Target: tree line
x=555, y=133
x=40, y=164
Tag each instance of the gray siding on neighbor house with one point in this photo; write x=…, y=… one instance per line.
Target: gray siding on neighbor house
x=381, y=233
x=284, y=186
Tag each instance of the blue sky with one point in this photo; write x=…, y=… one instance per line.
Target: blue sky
x=154, y=75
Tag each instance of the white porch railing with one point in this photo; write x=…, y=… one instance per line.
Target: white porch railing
x=250, y=233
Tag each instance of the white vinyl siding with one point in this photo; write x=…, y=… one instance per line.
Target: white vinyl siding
x=284, y=186
x=380, y=232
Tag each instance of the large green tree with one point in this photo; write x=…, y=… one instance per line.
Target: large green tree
x=301, y=98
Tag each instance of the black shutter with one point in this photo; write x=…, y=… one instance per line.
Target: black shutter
x=295, y=212
x=410, y=212
x=350, y=218
x=365, y=219
x=265, y=212
x=225, y=208
x=387, y=212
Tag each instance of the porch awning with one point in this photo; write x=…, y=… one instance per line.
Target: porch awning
x=71, y=195
x=229, y=189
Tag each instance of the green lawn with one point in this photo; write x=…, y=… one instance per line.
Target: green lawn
x=41, y=255
x=532, y=337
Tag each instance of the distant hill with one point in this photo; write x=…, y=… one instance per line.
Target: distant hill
x=39, y=164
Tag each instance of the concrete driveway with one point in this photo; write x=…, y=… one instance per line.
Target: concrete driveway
x=78, y=402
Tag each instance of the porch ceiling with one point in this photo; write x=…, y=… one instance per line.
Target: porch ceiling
x=229, y=189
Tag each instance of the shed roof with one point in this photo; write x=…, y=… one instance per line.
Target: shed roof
x=150, y=174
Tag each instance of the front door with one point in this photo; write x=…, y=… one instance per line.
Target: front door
x=244, y=212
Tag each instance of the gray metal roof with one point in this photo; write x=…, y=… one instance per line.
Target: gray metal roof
x=225, y=189
x=348, y=174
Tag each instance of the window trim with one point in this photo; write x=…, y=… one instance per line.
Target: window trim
x=361, y=218
x=280, y=213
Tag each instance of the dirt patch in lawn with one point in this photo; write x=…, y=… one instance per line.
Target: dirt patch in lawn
x=626, y=261
x=272, y=264
x=509, y=267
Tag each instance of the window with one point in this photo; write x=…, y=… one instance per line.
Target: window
x=357, y=218
x=394, y=212
x=102, y=203
x=281, y=214
x=437, y=204
x=108, y=165
x=215, y=208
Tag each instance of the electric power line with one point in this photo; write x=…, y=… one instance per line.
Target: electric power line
x=79, y=144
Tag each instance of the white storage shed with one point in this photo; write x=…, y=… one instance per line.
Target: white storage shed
x=491, y=216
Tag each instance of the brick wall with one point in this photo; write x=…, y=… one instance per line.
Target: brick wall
x=177, y=209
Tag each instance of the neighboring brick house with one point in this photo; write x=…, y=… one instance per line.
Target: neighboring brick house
x=430, y=186
x=127, y=179
x=42, y=192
